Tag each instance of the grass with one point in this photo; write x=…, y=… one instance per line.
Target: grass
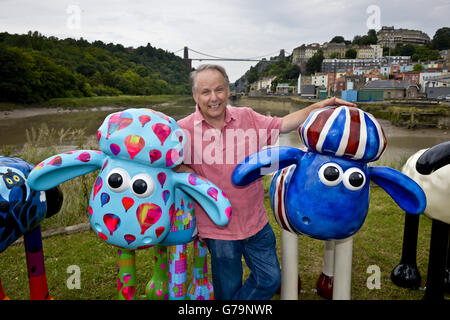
x=379, y=242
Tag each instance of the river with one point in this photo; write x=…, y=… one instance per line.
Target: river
x=401, y=142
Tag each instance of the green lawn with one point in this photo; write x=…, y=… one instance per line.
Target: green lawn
x=379, y=242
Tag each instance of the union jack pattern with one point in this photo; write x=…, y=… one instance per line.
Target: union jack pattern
x=344, y=132
x=280, y=181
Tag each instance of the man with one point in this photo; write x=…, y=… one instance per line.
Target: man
x=217, y=133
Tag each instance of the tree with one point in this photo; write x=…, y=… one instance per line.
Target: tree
x=315, y=63
x=335, y=55
x=418, y=67
x=337, y=39
x=404, y=50
x=356, y=40
x=423, y=53
x=351, y=54
x=441, y=39
x=370, y=38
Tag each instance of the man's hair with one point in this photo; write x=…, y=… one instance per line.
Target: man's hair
x=203, y=67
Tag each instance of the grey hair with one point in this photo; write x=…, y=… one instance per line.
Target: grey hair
x=203, y=67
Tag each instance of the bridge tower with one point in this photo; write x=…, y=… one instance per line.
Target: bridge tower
x=186, y=58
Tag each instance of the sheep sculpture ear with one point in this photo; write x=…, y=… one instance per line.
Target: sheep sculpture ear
x=65, y=166
x=434, y=158
x=265, y=162
x=405, y=191
x=209, y=196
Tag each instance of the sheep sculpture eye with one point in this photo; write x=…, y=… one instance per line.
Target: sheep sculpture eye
x=142, y=185
x=354, y=179
x=118, y=180
x=330, y=174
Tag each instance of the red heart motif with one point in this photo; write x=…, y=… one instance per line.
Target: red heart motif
x=56, y=161
x=155, y=155
x=128, y=293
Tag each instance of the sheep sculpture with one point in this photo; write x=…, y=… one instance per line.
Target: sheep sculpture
x=21, y=212
x=324, y=192
x=431, y=170
x=136, y=197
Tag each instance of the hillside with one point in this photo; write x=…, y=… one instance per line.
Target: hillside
x=35, y=68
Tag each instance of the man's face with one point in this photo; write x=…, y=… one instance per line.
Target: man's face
x=211, y=94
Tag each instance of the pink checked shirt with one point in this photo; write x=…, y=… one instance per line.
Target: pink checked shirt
x=214, y=154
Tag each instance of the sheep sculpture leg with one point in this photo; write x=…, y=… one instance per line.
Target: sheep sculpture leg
x=289, y=262
x=435, y=286
x=406, y=274
x=126, y=279
x=343, y=269
x=177, y=272
x=200, y=288
x=3, y=296
x=324, y=283
x=35, y=265
x=447, y=268
x=158, y=286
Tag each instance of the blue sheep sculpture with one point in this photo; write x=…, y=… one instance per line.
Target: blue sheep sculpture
x=21, y=212
x=323, y=192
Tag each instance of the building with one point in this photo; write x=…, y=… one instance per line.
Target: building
x=308, y=91
x=411, y=77
x=339, y=85
x=334, y=49
x=285, y=89
x=445, y=54
x=442, y=80
x=394, y=89
x=373, y=51
x=302, y=54
x=341, y=65
x=390, y=37
x=437, y=92
x=427, y=78
x=320, y=79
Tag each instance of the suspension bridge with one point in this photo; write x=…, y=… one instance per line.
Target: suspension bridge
x=209, y=57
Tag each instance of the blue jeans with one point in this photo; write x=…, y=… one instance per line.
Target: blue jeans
x=260, y=255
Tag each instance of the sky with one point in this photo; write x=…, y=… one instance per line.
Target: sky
x=224, y=28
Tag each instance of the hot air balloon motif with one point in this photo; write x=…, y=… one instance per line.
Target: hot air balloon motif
x=118, y=121
x=162, y=131
x=136, y=194
x=134, y=144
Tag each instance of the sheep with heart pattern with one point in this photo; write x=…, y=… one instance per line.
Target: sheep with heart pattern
x=133, y=200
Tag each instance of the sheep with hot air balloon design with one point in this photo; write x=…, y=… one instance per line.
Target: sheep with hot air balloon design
x=323, y=192
x=136, y=197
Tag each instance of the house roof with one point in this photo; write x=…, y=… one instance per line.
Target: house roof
x=390, y=84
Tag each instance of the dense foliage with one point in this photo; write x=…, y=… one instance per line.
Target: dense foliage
x=35, y=68
x=280, y=68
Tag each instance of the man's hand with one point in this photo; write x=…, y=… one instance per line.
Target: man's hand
x=293, y=120
x=183, y=168
x=333, y=102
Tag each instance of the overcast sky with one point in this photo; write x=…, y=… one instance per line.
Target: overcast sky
x=224, y=28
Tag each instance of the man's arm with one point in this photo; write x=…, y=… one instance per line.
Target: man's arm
x=293, y=120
